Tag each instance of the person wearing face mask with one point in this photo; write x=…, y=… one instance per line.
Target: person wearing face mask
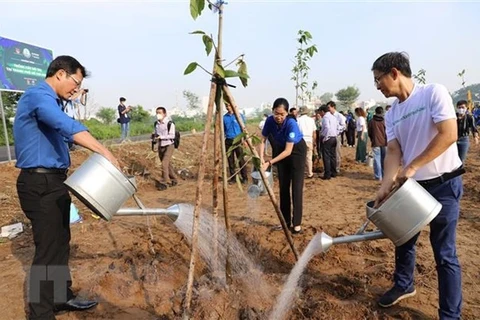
x=165, y=134
x=289, y=154
x=465, y=125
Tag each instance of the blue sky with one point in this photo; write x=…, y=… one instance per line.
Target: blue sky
x=140, y=49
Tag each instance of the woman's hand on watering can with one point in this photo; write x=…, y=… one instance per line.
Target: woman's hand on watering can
x=265, y=165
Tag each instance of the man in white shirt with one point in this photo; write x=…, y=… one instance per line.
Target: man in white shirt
x=421, y=135
x=328, y=136
x=342, y=125
x=308, y=128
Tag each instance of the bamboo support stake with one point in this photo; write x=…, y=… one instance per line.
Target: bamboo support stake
x=198, y=202
x=231, y=101
x=225, y=176
x=216, y=172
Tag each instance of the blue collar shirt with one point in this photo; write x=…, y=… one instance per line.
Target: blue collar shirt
x=42, y=129
x=288, y=131
x=231, y=126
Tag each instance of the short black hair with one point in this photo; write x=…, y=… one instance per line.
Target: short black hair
x=397, y=60
x=459, y=103
x=331, y=104
x=162, y=108
x=281, y=102
x=324, y=108
x=378, y=110
x=122, y=99
x=67, y=63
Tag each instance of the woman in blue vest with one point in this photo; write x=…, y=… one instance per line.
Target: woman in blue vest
x=289, y=154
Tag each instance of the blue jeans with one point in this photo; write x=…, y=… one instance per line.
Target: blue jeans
x=378, y=160
x=443, y=241
x=463, y=143
x=125, y=130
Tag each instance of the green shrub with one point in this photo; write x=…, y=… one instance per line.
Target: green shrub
x=103, y=131
x=3, y=142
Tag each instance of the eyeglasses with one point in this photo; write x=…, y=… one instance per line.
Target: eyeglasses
x=77, y=82
x=376, y=80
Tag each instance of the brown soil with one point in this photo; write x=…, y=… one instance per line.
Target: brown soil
x=138, y=277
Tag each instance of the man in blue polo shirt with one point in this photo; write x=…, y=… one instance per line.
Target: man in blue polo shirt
x=42, y=131
x=232, y=129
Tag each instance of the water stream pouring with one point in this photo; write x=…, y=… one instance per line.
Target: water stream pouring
x=104, y=189
x=403, y=214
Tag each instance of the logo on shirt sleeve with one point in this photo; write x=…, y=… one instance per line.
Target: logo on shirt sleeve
x=291, y=135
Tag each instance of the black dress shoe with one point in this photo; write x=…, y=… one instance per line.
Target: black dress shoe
x=75, y=304
x=297, y=231
x=160, y=185
x=325, y=178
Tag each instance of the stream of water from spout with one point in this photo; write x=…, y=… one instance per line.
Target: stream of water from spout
x=242, y=267
x=286, y=297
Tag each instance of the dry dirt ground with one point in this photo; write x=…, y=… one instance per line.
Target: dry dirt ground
x=138, y=275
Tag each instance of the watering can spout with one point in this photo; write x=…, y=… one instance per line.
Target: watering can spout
x=325, y=241
x=172, y=212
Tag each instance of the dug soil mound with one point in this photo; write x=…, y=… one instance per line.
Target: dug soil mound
x=137, y=266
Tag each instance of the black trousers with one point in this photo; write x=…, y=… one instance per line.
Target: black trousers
x=319, y=145
x=351, y=136
x=46, y=202
x=291, y=173
x=238, y=154
x=330, y=157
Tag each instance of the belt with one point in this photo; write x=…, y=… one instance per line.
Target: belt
x=46, y=170
x=444, y=177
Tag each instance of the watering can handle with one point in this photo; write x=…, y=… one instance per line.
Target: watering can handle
x=363, y=227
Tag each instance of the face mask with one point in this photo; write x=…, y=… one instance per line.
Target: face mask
x=461, y=111
x=159, y=116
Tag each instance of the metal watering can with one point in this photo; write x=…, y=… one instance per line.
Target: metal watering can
x=104, y=189
x=404, y=213
x=257, y=188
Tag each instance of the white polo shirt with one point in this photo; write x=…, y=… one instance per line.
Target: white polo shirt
x=412, y=123
x=307, y=126
x=342, y=122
